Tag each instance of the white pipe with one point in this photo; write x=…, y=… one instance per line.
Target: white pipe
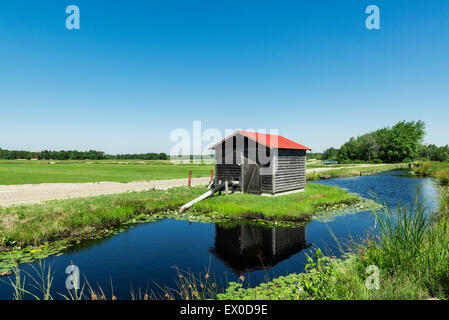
x=191, y=203
x=205, y=195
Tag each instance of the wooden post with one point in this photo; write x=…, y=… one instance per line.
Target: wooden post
x=273, y=174
x=226, y=188
x=211, y=175
x=190, y=179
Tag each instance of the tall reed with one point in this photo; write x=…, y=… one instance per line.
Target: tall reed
x=400, y=235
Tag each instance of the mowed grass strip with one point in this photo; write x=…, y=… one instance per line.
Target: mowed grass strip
x=29, y=172
x=62, y=219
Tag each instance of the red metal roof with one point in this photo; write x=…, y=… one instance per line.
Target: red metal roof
x=269, y=140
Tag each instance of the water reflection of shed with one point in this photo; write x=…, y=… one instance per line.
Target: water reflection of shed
x=248, y=247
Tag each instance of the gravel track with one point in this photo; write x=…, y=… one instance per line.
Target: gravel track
x=36, y=193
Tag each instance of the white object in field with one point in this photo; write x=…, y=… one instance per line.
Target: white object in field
x=206, y=195
x=191, y=203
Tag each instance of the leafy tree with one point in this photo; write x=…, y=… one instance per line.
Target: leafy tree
x=330, y=154
x=434, y=153
x=399, y=143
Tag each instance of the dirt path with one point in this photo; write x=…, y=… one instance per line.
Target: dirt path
x=35, y=193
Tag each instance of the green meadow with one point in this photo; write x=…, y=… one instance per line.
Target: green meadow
x=35, y=172
x=75, y=171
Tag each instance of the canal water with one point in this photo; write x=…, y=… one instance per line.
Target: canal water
x=145, y=257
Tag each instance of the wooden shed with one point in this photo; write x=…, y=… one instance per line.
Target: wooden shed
x=262, y=163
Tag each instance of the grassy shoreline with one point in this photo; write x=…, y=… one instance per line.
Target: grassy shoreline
x=33, y=231
x=355, y=171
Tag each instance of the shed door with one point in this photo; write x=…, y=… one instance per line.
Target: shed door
x=252, y=178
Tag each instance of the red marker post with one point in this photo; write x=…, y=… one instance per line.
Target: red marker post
x=190, y=179
x=211, y=175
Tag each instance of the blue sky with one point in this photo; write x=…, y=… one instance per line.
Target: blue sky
x=136, y=70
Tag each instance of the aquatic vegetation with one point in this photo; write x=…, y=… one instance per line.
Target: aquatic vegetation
x=329, y=213
x=41, y=282
x=315, y=282
x=19, y=255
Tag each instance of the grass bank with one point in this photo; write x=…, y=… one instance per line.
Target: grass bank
x=296, y=206
x=437, y=170
x=76, y=218
x=354, y=171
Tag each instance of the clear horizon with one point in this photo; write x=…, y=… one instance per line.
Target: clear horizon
x=137, y=70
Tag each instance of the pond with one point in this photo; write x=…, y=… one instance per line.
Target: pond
x=144, y=257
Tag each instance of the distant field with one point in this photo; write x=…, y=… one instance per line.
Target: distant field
x=34, y=172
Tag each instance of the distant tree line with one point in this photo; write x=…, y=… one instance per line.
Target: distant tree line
x=399, y=143
x=17, y=154
x=71, y=155
x=314, y=155
x=140, y=156
x=434, y=153
x=76, y=155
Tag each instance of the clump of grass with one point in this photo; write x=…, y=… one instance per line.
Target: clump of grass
x=401, y=235
x=41, y=282
x=189, y=286
x=297, y=206
x=410, y=248
x=430, y=168
x=444, y=203
x=443, y=176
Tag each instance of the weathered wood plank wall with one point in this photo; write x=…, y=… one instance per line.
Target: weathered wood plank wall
x=290, y=172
